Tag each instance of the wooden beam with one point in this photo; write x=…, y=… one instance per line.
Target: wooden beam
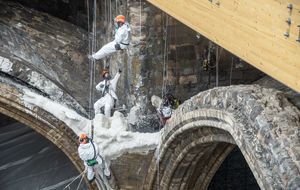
x=252, y=30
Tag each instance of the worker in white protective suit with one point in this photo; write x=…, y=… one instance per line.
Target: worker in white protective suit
x=89, y=153
x=168, y=105
x=122, y=39
x=108, y=89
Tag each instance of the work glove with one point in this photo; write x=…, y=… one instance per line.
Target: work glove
x=91, y=57
x=118, y=47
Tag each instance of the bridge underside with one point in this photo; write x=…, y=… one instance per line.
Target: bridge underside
x=256, y=31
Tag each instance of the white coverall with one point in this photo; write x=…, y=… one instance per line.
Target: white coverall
x=86, y=152
x=122, y=37
x=166, y=111
x=108, y=99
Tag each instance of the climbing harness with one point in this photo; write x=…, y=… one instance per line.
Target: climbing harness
x=106, y=87
x=93, y=161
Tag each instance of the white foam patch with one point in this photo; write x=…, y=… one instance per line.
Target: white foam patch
x=111, y=134
x=114, y=139
x=5, y=65
x=75, y=121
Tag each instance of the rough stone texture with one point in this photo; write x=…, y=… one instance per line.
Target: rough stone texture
x=292, y=96
x=53, y=52
x=47, y=53
x=130, y=170
x=261, y=122
x=11, y=104
x=70, y=10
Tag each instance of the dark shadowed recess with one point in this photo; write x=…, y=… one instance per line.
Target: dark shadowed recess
x=30, y=161
x=234, y=173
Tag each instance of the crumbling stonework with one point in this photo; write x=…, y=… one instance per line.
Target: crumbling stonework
x=261, y=122
x=47, y=53
x=12, y=105
x=49, y=56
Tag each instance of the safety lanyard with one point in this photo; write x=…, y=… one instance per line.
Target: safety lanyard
x=94, y=149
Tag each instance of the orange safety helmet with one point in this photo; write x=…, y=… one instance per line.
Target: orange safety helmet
x=83, y=138
x=104, y=72
x=120, y=18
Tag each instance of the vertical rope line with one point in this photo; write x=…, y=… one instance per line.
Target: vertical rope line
x=105, y=10
x=162, y=92
x=140, y=20
x=217, y=66
x=88, y=29
x=80, y=182
x=90, y=38
x=116, y=7
x=92, y=70
x=110, y=16
x=165, y=54
x=230, y=76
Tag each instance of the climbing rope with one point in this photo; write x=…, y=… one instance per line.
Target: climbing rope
x=230, y=76
x=217, y=66
x=79, y=182
x=90, y=60
x=140, y=20
x=165, y=56
x=92, y=49
x=218, y=56
x=68, y=185
x=163, y=90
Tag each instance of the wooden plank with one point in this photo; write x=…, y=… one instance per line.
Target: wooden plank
x=252, y=30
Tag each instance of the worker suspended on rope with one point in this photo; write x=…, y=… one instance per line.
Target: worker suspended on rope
x=208, y=58
x=167, y=106
x=88, y=152
x=121, y=41
x=108, y=89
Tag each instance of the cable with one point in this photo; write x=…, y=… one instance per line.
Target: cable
x=230, y=76
x=79, y=182
x=140, y=20
x=90, y=60
x=165, y=56
x=92, y=67
x=217, y=66
x=68, y=186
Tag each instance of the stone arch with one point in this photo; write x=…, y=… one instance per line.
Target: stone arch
x=43, y=122
x=203, y=131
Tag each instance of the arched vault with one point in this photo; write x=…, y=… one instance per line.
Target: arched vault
x=204, y=129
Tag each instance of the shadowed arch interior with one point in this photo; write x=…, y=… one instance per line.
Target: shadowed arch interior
x=30, y=161
x=12, y=105
x=204, y=130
